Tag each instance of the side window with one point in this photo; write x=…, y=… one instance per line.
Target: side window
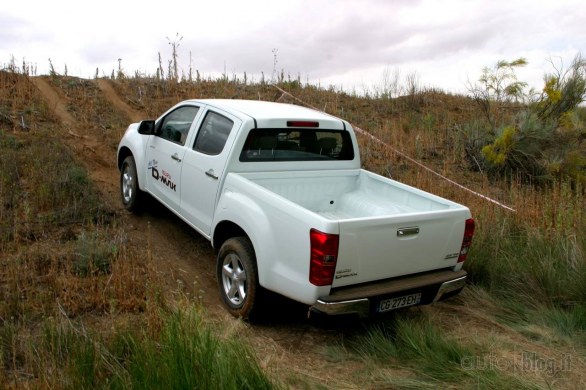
x=212, y=134
x=175, y=126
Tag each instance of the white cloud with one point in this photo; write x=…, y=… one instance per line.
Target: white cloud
x=341, y=42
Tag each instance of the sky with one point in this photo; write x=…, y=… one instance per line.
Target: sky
x=354, y=45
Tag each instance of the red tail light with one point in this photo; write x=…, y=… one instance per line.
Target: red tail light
x=324, y=254
x=302, y=124
x=467, y=240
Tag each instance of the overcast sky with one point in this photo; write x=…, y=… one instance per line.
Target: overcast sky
x=344, y=43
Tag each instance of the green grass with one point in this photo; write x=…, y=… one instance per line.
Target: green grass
x=42, y=187
x=570, y=323
x=528, y=269
x=190, y=355
x=185, y=354
x=534, y=271
x=94, y=254
x=418, y=341
x=435, y=357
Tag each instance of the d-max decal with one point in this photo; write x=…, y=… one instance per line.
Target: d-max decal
x=164, y=177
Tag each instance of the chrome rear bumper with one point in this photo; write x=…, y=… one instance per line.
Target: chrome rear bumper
x=349, y=301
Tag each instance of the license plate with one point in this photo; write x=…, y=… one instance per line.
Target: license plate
x=397, y=303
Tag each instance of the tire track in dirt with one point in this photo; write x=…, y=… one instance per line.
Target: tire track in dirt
x=55, y=103
x=117, y=102
x=93, y=152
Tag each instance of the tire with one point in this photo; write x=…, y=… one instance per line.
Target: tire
x=129, y=190
x=238, y=277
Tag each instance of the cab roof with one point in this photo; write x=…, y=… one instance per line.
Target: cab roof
x=271, y=114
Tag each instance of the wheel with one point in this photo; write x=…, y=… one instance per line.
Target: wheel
x=131, y=193
x=238, y=277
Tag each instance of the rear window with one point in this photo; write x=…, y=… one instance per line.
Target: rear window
x=297, y=145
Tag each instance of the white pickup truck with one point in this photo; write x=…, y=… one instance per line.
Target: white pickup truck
x=279, y=191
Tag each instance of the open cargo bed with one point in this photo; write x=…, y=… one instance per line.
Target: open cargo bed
x=387, y=229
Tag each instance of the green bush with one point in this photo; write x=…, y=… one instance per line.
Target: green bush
x=540, y=140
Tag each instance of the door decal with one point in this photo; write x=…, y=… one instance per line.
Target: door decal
x=164, y=177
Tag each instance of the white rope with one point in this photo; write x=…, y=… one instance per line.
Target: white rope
x=378, y=140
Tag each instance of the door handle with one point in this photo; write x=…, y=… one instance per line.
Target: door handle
x=408, y=231
x=210, y=173
x=176, y=157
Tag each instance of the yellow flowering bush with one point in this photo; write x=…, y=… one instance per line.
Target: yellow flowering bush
x=497, y=152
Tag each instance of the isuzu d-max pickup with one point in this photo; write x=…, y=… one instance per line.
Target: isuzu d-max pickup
x=279, y=191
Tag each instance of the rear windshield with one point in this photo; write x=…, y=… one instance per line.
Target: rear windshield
x=297, y=145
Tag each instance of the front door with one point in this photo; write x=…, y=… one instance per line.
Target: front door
x=164, y=154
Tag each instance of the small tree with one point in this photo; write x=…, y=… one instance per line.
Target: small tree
x=120, y=73
x=52, y=71
x=160, y=71
x=391, y=84
x=275, y=62
x=498, y=86
x=563, y=90
x=174, y=57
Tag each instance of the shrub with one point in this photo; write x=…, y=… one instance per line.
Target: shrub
x=545, y=139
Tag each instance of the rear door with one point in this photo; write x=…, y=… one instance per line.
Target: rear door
x=203, y=167
x=380, y=248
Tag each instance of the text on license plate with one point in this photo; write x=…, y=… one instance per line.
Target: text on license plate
x=396, y=303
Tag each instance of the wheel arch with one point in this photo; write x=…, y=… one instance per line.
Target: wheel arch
x=122, y=154
x=241, y=215
x=126, y=151
x=226, y=230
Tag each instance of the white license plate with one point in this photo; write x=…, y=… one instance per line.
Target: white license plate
x=396, y=303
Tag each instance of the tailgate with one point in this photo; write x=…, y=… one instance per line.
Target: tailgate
x=386, y=247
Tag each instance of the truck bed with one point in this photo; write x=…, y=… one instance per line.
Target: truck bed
x=387, y=229
x=348, y=194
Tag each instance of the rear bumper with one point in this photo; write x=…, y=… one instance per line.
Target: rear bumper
x=363, y=300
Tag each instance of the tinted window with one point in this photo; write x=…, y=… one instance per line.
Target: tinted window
x=297, y=145
x=213, y=133
x=175, y=126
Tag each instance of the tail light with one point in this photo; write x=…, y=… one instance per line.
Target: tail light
x=467, y=240
x=324, y=254
x=302, y=124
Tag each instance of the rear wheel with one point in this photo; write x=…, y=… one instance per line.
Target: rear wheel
x=238, y=277
x=129, y=189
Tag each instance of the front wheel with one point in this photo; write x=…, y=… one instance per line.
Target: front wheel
x=238, y=277
x=129, y=189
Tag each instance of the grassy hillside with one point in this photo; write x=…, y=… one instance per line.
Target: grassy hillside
x=94, y=297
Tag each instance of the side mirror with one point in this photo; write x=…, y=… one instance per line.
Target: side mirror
x=146, y=127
